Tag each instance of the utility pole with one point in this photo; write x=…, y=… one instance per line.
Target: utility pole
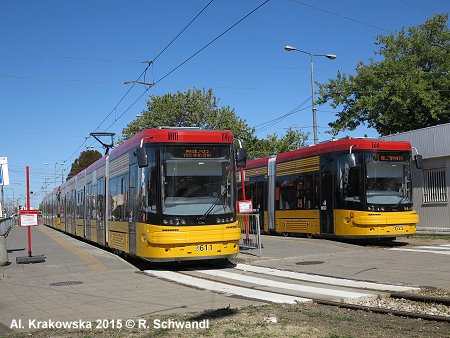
x=62, y=176
x=3, y=203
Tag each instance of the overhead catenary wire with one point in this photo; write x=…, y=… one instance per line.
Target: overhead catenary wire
x=134, y=83
x=212, y=41
x=149, y=63
x=340, y=15
x=31, y=77
x=287, y=114
x=279, y=119
x=191, y=57
x=67, y=57
x=268, y=124
x=422, y=9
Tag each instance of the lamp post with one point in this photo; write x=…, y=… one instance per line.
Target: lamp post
x=60, y=163
x=328, y=56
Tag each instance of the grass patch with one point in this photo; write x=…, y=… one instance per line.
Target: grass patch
x=345, y=319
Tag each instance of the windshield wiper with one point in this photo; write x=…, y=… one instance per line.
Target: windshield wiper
x=399, y=201
x=211, y=208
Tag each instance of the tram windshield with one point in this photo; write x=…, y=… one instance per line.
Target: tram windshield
x=388, y=181
x=197, y=180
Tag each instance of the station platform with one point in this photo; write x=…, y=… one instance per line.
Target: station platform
x=81, y=281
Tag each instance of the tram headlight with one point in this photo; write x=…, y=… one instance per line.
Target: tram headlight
x=176, y=221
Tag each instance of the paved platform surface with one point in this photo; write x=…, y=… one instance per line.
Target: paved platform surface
x=110, y=287
x=403, y=262
x=79, y=281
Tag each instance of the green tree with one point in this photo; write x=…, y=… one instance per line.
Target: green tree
x=273, y=145
x=200, y=108
x=408, y=89
x=85, y=159
x=193, y=108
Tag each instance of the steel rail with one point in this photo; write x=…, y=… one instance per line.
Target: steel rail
x=421, y=298
x=386, y=311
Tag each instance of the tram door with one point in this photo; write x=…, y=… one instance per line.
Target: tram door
x=326, y=203
x=87, y=211
x=131, y=207
x=255, y=192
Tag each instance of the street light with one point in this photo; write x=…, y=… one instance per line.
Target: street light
x=328, y=56
x=60, y=163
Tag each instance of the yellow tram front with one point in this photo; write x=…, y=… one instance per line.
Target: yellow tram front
x=374, y=195
x=186, y=202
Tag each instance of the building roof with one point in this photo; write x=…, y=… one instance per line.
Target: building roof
x=430, y=142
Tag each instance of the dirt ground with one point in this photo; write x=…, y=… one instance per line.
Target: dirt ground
x=301, y=320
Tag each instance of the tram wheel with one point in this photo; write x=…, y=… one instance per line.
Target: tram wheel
x=285, y=234
x=309, y=236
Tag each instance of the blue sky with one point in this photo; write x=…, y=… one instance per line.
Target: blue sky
x=63, y=64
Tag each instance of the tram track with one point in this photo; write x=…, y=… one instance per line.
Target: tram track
x=279, y=286
x=391, y=311
x=421, y=298
x=391, y=297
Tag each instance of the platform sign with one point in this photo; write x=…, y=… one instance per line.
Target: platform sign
x=245, y=207
x=4, y=175
x=28, y=218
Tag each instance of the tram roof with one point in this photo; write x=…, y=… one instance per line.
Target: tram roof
x=333, y=146
x=159, y=135
x=173, y=135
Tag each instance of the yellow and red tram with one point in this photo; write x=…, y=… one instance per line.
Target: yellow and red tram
x=347, y=188
x=163, y=195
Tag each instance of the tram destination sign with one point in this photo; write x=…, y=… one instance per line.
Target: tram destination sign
x=389, y=157
x=197, y=153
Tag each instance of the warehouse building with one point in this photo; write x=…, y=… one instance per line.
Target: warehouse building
x=430, y=184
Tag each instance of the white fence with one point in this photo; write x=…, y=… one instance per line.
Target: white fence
x=250, y=232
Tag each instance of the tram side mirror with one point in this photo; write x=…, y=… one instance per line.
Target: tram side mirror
x=419, y=161
x=241, y=157
x=351, y=160
x=142, y=158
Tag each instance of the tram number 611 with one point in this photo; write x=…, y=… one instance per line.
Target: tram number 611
x=204, y=247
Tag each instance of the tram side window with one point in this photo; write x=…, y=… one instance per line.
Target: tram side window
x=118, y=198
x=349, y=178
x=299, y=192
x=70, y=209
x=305, y=192
x=92, y=199
x=254, y=192
x=62, y=208
x=287, y=193
x=148, y=189
x=100, y=198
x=80, y=204
x=67, y=197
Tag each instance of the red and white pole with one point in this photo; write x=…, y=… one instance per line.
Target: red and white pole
x=28, y=208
